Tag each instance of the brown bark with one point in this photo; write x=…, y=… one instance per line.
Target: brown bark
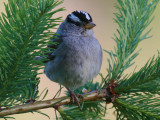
x=55, y=103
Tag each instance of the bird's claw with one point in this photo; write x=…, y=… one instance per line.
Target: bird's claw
x=74, y=98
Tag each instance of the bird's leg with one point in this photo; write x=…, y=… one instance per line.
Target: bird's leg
x=74, y=97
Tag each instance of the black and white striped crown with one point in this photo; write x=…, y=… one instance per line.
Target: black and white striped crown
x=79, y=17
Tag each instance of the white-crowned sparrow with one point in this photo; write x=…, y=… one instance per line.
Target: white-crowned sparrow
x=78, y=57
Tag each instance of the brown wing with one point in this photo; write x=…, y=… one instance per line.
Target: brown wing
x=50, y=56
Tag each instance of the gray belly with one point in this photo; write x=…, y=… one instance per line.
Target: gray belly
x=72, y=73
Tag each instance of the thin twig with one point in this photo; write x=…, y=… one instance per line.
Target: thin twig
x=55, y=103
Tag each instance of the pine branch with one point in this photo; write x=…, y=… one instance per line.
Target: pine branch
x=145, y=80
x=138, y=106
x=55, y=103
x=133, y=17
x=23, y=35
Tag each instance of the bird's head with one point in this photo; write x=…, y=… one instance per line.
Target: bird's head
x=81, y=18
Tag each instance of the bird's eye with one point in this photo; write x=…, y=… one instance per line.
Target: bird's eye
x=79, y=18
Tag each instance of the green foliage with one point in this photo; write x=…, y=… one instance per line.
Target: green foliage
x=139, y=92
x=91, y=110
x=133, y=17
x=147, y=79
x=138, y=106
x=24, y=33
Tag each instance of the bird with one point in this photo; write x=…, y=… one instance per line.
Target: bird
x=77, y=55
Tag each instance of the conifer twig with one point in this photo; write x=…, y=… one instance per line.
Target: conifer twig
x=55, y=103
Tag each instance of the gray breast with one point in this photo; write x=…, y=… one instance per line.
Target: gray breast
x=78, y=59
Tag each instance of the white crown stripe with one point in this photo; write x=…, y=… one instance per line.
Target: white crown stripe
x=86, y=14
x=74, y=18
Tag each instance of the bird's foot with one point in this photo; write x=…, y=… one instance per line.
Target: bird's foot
x=74, y=98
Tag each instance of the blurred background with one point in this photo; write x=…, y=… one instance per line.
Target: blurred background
x=102, y=14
